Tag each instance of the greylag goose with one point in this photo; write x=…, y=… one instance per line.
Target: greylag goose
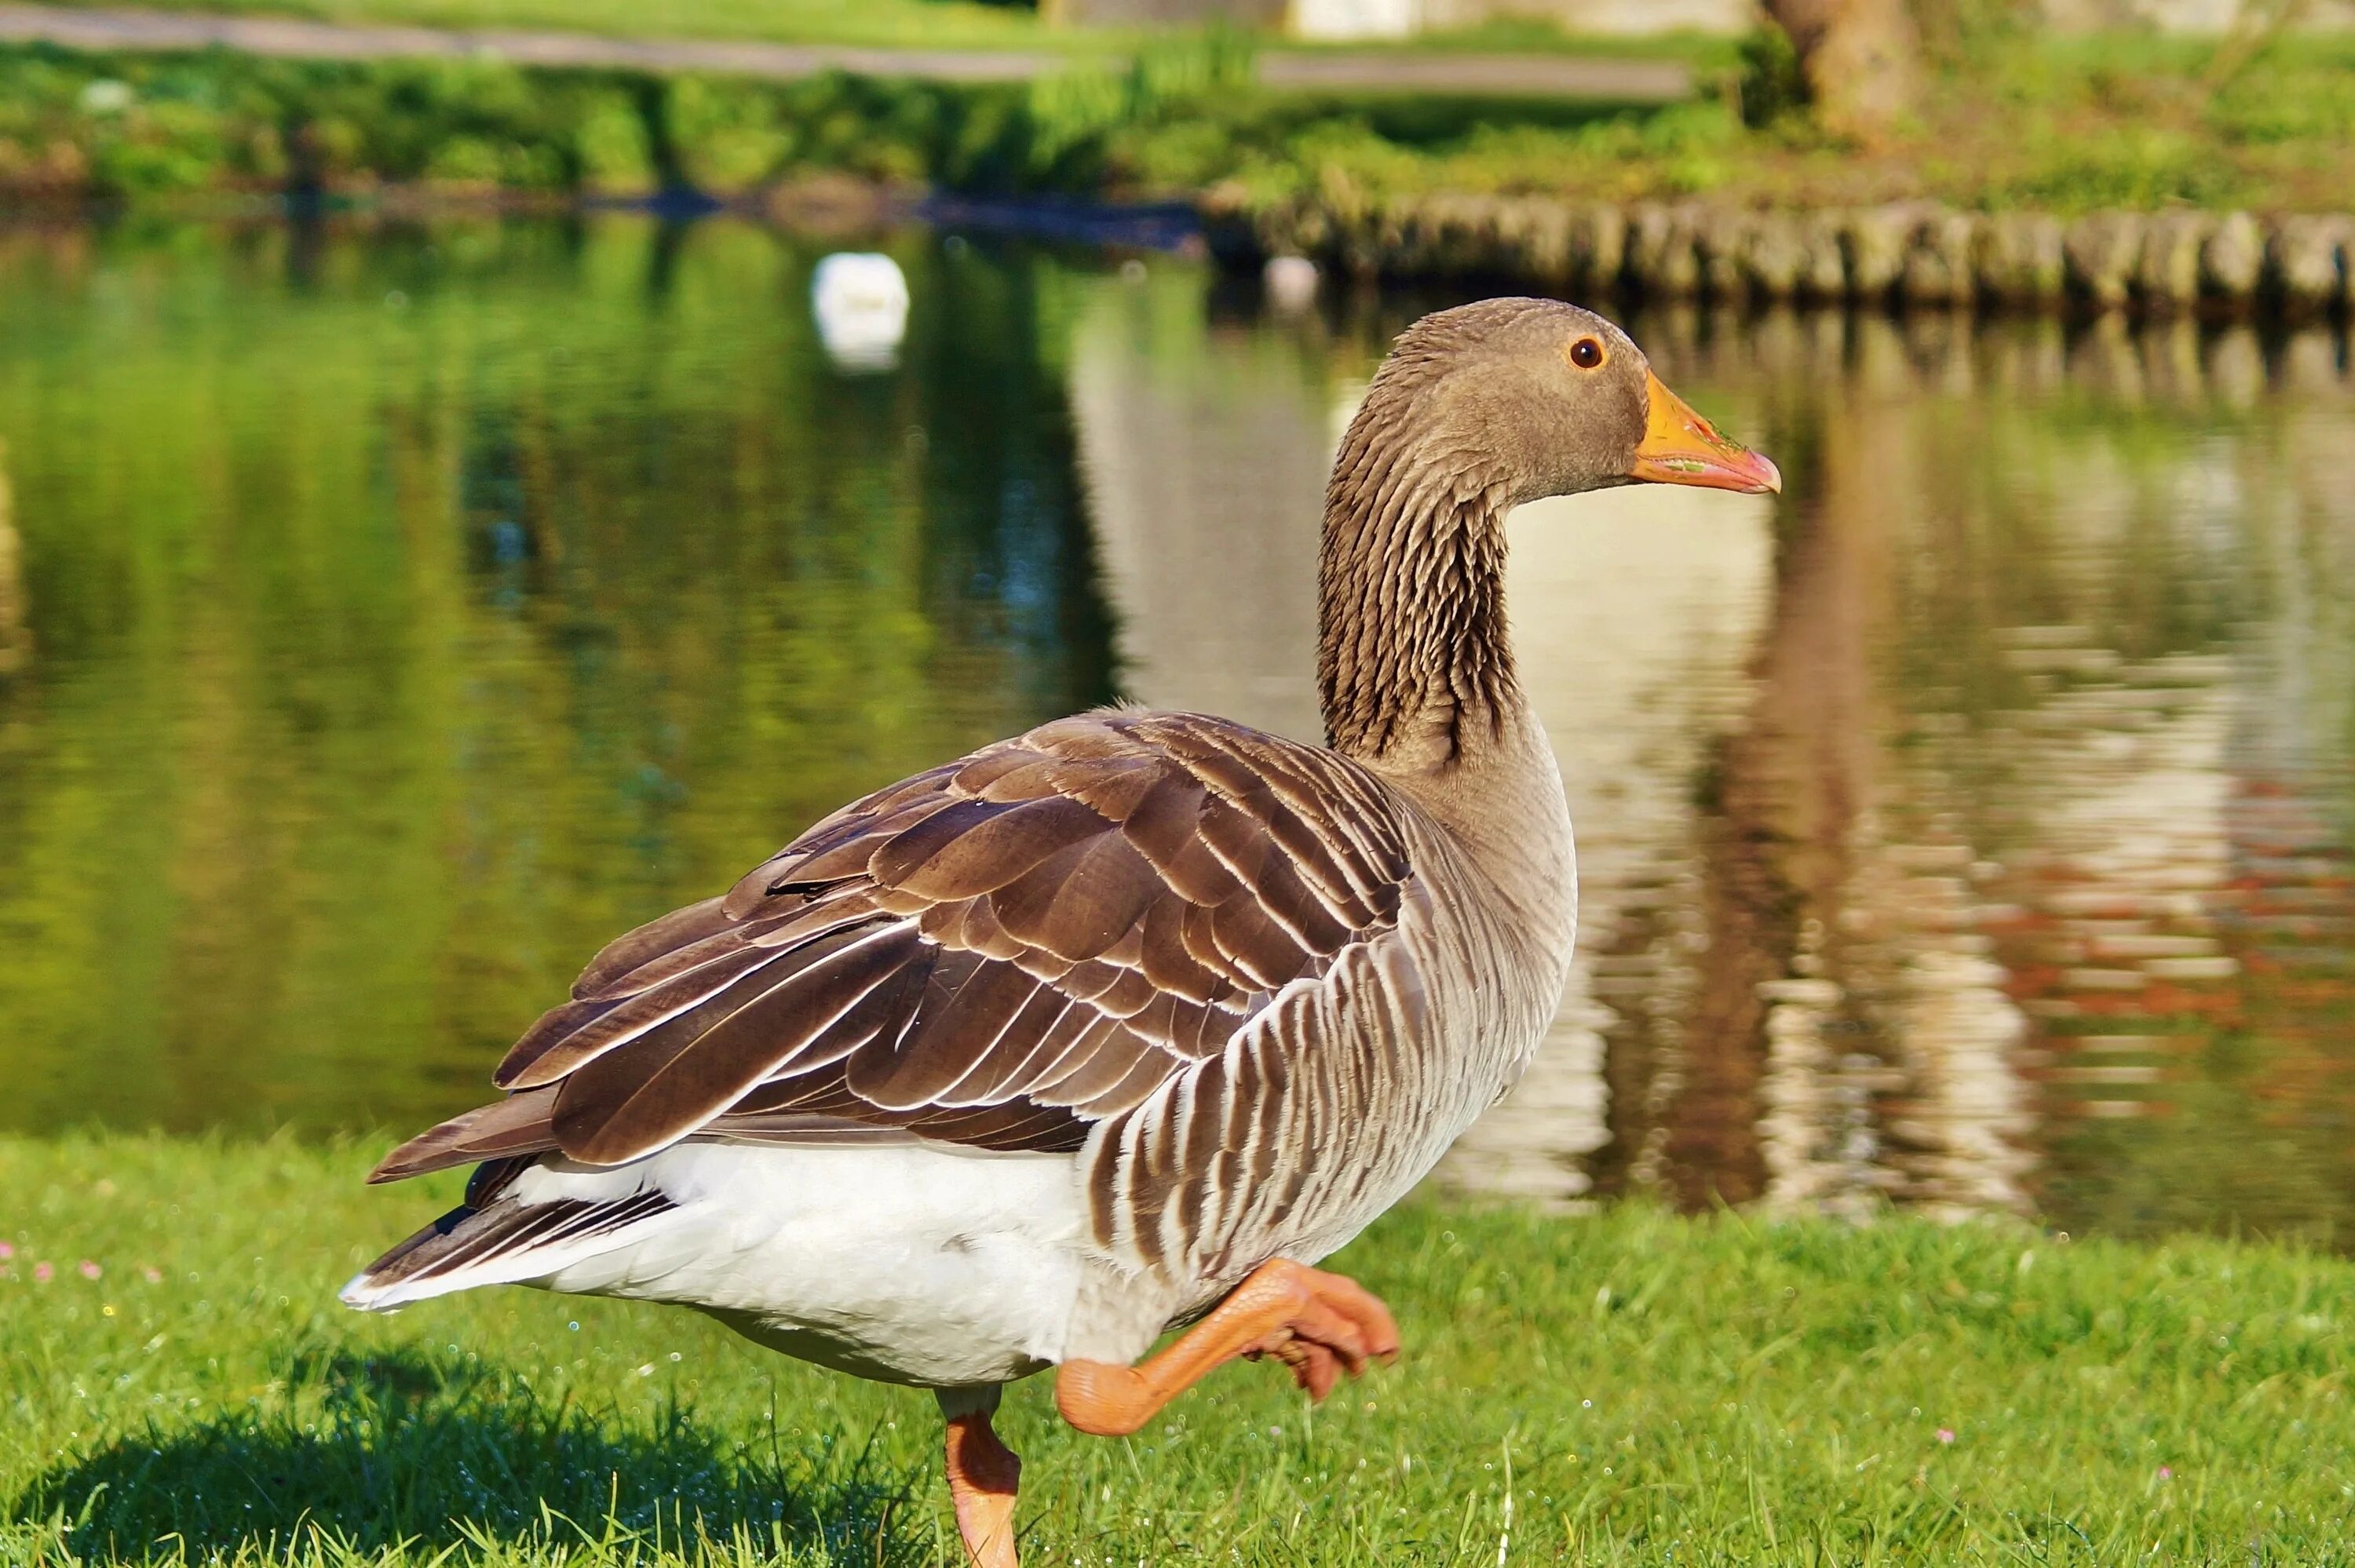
x=1121, y=1024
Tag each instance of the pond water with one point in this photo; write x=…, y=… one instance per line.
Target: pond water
x=389, y=615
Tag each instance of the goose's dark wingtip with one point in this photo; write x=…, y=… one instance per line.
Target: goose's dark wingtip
x=413, y=1158
x=425, y=1153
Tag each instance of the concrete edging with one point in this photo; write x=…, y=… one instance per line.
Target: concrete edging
x=1913, y=253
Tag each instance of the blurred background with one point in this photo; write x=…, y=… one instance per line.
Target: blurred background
x=477, y=473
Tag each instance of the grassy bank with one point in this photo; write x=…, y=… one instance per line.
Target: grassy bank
x=2058, y=125
x=146, y=127
x=2010, y=121
x=161, y=127
x=1627, y=1388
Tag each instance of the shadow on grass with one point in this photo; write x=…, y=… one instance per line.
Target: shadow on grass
x=398, y=1448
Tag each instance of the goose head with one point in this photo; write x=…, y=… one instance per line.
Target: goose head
x=1476, y=411
x=1529, y=399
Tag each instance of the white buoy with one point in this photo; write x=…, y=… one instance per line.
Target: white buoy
x=860, y=300
x=1290, y=283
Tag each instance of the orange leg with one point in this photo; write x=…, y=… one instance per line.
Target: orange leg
x=1319, y=1324
x=983, y=1474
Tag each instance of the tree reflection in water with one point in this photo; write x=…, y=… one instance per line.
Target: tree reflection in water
x=402, y=612
x=1964, y=830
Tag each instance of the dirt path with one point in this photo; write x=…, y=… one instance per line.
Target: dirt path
x=122, y=28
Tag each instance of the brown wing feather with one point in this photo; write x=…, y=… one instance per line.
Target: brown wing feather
x=1003, y=952
x=628, y=1103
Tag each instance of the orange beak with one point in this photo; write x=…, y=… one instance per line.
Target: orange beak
x=1679, y=447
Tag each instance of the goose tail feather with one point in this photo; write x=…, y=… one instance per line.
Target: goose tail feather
x=503, y=1241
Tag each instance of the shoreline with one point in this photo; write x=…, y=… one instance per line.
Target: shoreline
x=2184, y=266
x=2296, y=268
x=107, y=133
x=2300, y=266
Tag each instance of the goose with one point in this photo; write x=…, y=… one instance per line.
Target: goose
x=1124, y=1024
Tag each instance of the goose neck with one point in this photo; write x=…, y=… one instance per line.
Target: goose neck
x=1415, y=665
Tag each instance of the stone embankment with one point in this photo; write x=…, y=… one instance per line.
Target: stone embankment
x=2158, y=264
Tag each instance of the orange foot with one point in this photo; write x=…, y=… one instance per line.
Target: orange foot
x=1318, y=1324
x=983, y=1476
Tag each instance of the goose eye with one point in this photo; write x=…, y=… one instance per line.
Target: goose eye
x=1586, y=354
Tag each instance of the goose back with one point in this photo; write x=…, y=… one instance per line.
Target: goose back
x=1253, y=985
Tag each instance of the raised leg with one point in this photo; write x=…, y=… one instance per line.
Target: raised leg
x=983, y=1475
x=1318, y=1324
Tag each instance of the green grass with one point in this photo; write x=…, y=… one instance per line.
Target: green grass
x=2012, y=116
x=2057, y=123
x=1636, y=1387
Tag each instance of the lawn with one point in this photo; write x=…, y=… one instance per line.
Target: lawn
x=2009, y=120
x=178, y=1385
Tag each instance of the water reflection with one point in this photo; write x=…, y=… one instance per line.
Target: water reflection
x=404, y=612
x=2028, y=605
x=1922, y=819
x=413, y=609
x=1204, y=450
x=16, y=637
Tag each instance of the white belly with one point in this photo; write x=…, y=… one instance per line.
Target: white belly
x=905, y=1263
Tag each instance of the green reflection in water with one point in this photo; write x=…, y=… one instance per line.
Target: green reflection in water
x=411, y=615
x=394, y=619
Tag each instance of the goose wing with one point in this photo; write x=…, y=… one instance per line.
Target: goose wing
x=1004, y=953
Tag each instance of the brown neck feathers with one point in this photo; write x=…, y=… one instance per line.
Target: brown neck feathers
x=1412, y=664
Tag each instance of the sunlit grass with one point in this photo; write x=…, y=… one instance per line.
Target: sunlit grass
x=2060, y=124
x=178, y=1385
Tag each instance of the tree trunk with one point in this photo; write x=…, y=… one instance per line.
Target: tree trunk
x=1862, y=60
